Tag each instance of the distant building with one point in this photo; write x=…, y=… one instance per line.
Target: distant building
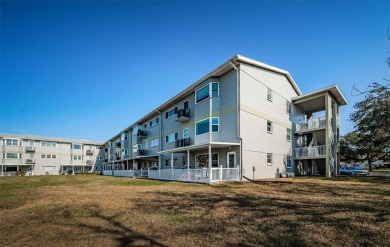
x=39, y=155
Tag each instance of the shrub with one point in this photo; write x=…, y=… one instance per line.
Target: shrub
x=21, y=173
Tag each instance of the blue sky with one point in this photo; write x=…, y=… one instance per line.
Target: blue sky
x=89, y=69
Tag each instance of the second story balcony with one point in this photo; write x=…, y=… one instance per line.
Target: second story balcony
x=89, y=162
x=313, y=123
x=183, y=115
x=30, y=161
x=182, y=142
x=310, y=152
x=30, y=149
x=141, y=133
x=89, y=152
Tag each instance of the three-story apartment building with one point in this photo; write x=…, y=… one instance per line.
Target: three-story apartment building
x=38, y=155
x=243, y=119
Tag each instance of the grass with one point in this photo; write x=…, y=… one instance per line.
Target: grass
x=383, y=170
x=110, y=211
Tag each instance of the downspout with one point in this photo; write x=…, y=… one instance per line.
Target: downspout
x=160, y=139
x=238, y=115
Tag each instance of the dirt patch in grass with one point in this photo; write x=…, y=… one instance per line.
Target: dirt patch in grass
x=109, y=211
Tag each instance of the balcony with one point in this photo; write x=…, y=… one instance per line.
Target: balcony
x=89, y=162
x=141, y=133
x=310, y=152
x=30, y=161
x=30, y=149
x=182, y=142
x=118, y=144
x=106, y=149
x=183, y=115
x=89, y=152
x=313, y=123
x=141, y=152
x=105, y=160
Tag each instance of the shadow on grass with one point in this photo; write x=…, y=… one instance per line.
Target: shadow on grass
x=122, y=234
x=275, y=221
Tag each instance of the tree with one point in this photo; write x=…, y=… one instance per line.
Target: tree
x=372, y=123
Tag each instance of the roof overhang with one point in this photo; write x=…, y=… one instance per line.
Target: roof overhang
x=333, y=90
x=200, y=147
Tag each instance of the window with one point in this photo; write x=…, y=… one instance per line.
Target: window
x=214, y=89
x=186, y=133
x=32, y=155
x=145, y=145
x=10, y=142
x=154, y=143
x=124, y=136
x=288, y=165
x=43, y=156
x=288, y=107
x=203, y=126
x=145, y=126
x=77, y=146
x=269, y=159
x=215, y=160
x=77, y=157
x=31, y=142
x=215, y=124
x=137, y=147
x=125, y=151
x=12, y=156
x=48, y=156
x=269, y=94
x=269, y=126
x=171, y=113
x=53, y=156
x=99, y=158
x=171, y=137
x=135, y=130
x=48, y=144
x=204, y=92
x=186, y=105
x=288, y=134
x=153, y=122
x=167, y=162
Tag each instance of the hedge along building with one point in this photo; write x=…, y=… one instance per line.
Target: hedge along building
x=244, y=118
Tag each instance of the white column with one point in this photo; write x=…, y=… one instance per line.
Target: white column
x=172, y=165
x=188, y=164
x=2, y=170
x=210, y=163
x=72, y=169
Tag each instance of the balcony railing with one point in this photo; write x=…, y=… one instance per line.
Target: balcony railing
x=313, y=151
x=183, y=115
x=118, y=157
x=30, y=149
x=89, y=152
x=30, y=161
x=89, y=162
x=312, y=123
x=141, y=133
x=182, y=142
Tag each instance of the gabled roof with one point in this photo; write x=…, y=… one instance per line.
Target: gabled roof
x=219, y=71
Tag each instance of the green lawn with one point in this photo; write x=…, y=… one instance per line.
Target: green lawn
x=88, y=210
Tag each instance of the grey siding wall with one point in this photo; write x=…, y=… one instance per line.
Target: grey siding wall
x=255, y=110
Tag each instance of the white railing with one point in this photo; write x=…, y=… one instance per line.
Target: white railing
x=107, y=172
x=196, y=175
x=312, y=151
x=312, y=123
x=124, y=173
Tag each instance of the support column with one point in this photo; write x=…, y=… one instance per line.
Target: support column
x=2, y=170
x=72, y=169
x=210, y=163
x=328, y=108
x=188, y=164
x=172, y=165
